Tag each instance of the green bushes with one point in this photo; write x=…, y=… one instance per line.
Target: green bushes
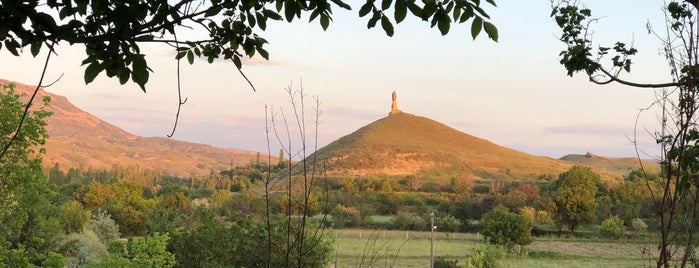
x=485, y=257
x=502, y=227
x=613, y=227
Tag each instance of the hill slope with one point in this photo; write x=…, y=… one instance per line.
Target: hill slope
x=79, y=139
x=618, y=166
x=403, y=144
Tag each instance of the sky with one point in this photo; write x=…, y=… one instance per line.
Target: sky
x=513, y=92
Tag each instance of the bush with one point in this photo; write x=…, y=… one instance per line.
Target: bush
x=639, y=225
x=485, y=257
x=613, y=227
x=442, y=262
x=505, y=228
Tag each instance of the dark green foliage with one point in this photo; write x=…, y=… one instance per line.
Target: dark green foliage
x=150, y=251
x=240, y=243
x=112, y=39
x=28, y=222
x=502, y=227
x=442, y=262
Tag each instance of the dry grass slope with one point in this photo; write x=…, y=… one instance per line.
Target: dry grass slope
x=404, y=144
x=79, y=139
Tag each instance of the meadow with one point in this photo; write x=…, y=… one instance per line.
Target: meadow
x=390, y=248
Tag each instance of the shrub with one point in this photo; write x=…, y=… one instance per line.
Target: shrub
x=639, y=225
x=442, y=262
x=485, y=257
x=104, y=227
x=505, y=228
x=613, y=227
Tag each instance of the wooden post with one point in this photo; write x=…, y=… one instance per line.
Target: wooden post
x=432, y=229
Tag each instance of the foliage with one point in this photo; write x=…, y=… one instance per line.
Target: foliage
x=612, y=227
x=447, y=224
x=442, y=262
x=502, y=227
x=148, y=251
x=112, y=41
x=28, y=222
x=73, y=217
x=638, y=225
x=344, y=217
x=676, y=197
x=485, y=257
x=85, y=247
x=104, y=227
x=575, y=192
x=238, y=244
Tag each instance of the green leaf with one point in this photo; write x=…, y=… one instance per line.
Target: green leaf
x=386, y=4
x=140, y=71
x=237, y=62
x=124, y=76
x=324, y=21
x=444, y=23
x=387, y=26
x=374, y=19
x=263, y=53
x=457, y=13
x=476, y=27
x=35, y=47
x=364, y=10
x=289, y=10
x=314, y=14
x=491, y=30
x=92, y=71
x=270, y=14
x=342, y=4
x=401, y=11
x=261, y=21
x=190, y=57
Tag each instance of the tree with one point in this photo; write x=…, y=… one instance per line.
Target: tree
x=112, y=40
x=574, y=196
x=502, y=227
x=677, y=200
x=448, y=224
x=26, y=229
x=140, y=251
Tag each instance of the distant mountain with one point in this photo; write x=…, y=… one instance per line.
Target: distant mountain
x=79, y=139
x=405, y=144
x=618, y=166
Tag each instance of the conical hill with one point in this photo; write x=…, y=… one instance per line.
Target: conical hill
x=405, y=144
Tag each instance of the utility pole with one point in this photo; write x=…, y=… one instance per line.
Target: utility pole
x=432, y=229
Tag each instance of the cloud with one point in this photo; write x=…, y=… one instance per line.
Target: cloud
x=350, y=112
x=587, y=130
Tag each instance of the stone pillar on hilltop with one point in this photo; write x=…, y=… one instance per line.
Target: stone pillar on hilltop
x=394, y=105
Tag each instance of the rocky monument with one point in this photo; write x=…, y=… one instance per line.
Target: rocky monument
x=394, y=105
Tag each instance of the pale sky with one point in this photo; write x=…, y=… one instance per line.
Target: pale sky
x=513, y=93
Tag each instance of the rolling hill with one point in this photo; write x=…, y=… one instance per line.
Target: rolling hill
x=619, y=166
x=79, y=139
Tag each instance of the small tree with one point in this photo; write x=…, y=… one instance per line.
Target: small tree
x=574, y=196
x=613, y=227
x=448, y=224
x=502, y=227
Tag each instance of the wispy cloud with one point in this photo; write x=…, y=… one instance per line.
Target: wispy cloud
x=587, y=129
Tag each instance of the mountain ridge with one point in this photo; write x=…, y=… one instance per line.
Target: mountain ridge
x=79, y=139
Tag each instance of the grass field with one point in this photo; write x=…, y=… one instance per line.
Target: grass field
x=382, y=248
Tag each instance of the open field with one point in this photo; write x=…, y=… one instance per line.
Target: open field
x=383, y=248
